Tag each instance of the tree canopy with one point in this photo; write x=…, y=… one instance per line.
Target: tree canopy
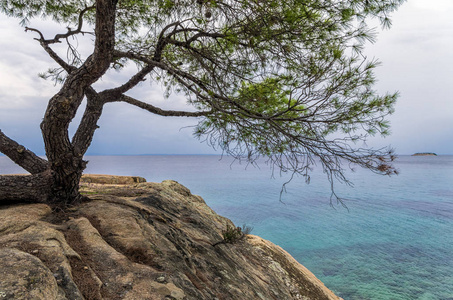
x=285, y=80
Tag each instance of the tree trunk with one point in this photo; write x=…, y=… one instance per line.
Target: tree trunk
x=56, y=181
x=65, y=158
x=65, y=187
x=66, y=165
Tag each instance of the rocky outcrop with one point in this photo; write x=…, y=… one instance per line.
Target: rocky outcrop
x=141, y=241
x=111, y=179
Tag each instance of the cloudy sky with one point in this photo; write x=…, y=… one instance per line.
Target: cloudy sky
x=416, y=55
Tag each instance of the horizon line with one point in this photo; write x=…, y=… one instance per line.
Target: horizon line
x=201, y=154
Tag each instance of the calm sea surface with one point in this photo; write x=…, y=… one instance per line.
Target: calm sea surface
x=394, y=242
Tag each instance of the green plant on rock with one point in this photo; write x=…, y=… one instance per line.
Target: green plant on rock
x=233, y=234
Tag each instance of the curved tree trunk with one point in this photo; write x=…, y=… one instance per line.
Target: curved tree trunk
x=65, y=158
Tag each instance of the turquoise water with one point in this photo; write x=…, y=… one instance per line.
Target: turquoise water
x=395, y=240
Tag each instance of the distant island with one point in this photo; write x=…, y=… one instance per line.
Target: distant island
x=424, y=154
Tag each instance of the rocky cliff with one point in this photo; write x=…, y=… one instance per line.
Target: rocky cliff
x=141, y=241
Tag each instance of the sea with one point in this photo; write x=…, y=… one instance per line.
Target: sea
x=392, y=241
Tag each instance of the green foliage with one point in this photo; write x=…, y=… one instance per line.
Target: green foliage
x=268, y=97
x=60, y=11
x=282, y=79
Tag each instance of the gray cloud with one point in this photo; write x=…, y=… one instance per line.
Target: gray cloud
x=416, y=60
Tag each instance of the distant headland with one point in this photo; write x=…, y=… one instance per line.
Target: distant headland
x=424, y=154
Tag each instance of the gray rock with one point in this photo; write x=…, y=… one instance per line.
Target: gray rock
x=23, y=276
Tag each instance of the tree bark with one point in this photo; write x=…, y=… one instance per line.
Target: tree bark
x=85, y=132
x=25, y=188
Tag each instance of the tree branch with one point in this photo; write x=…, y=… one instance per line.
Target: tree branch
x=179, y=74
x=67, y=67
x=45, y=43
x=22, y=156
x=59, y=36
x=160, y=65
x=156, y=110
x=161, y=43
x=84, y=135
x=136, y=79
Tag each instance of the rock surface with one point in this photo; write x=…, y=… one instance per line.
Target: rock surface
x=111, y=179
x=141, y=241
